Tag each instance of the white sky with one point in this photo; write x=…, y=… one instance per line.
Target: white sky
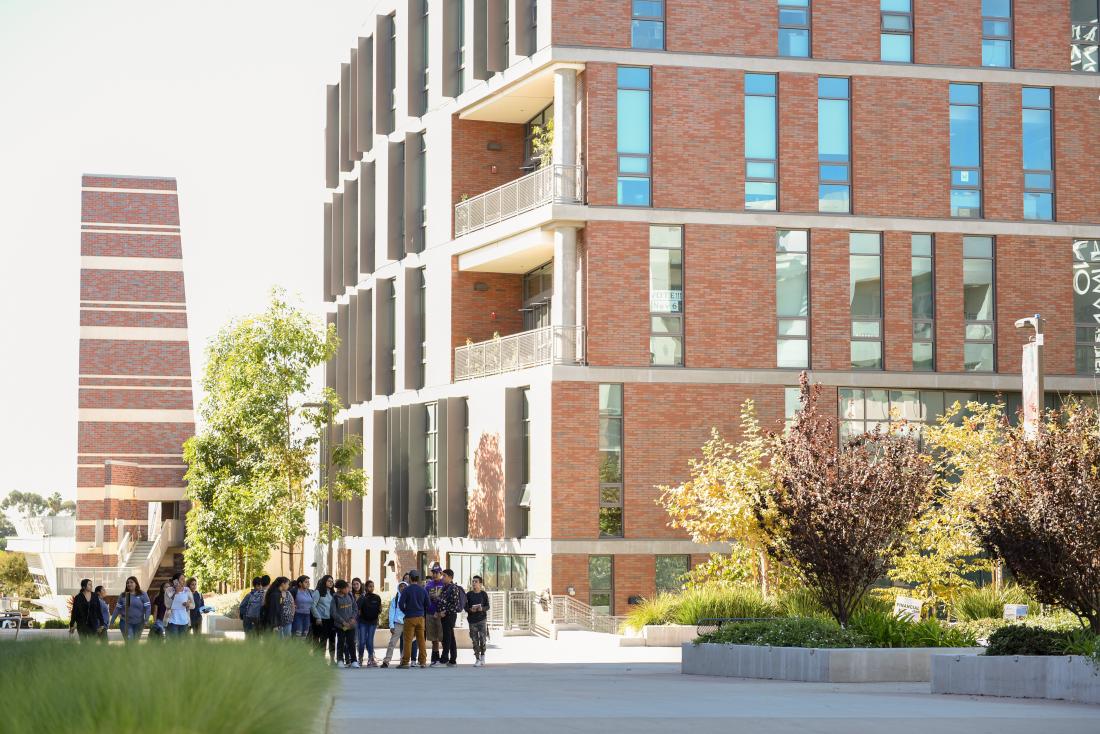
x=225, y=95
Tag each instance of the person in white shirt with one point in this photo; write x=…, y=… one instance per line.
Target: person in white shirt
x=179, y=610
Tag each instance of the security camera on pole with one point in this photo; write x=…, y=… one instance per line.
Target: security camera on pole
x=1033, y=376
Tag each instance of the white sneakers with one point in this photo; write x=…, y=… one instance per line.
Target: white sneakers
x=479, y=662
x=355, y=664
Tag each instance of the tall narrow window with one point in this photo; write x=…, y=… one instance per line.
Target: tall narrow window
x=666, y=295
x=1086, y=305
x=865, y=296
x=525, y=461
x=792, y=299
x=393, y=334
x=422, y=313
x=966, y=150
x=997, y=33
x=601, y=595
x=979, y=304
x=422, y=191
x=611, y=461
x=391, y=113
x=647, y=26
x=506, y=29
x=1084, y=35
x=761, y=142
x=534, y=26
x=896, y=38
x=431, y=466
x=670, y=572
x=924, y=303
x=1038, y=127
x=460, y=17
x=634, y=136
x=794, y=28
x=465, y=466
x=535, y=136
x=425, y=58
x=833, y=146
x=399, y=191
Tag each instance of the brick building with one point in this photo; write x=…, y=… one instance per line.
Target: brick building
x=538, y=329
x=135, y=406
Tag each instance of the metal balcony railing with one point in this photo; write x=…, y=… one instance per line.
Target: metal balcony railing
x=571, y=611
x=553, y=184
x=548, y=345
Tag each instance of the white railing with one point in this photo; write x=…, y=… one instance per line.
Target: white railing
x=511, y=610
x=149, y=567
x=63, y=526
x=568, y=610
x=548, y=345
x=125, y=548
x=114, y=578
x=553, y=184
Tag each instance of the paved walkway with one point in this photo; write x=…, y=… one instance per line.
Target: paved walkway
x=582, y=683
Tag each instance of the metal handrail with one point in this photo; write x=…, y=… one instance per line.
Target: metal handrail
x=114, y=577
x=547, y=345
x=125, y=548
x=569, y=610
x=551, y=184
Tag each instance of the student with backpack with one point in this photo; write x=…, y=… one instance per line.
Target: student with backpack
x=252, y=607
x=133, y=607
x=345, y=617
x=323, y=629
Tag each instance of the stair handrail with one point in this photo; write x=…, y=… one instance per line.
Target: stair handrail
x=570, y=610
x=125, y=548
x=150, y=565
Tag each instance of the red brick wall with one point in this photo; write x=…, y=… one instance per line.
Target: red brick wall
x=472, y=162
x=741, y=27
x=574, y=483
x=1041, y=28
x=1033, y=276
x=472, y=310
x=949, y=303
x=585, y=23
x=845, y=30
x=633, y=575
x=948, y=32
x=131, y=438
x=159, y=399
x=128, y=182
x=797, y=143
x=569, y=569
x=132, y=357
x=830, y=314
x=112, y=207
x=114, y=244
x=166, y=319
x=900, y=160
x=601, y=133
x=897, y=273
x=1002, y=152
x=149, y=286
x=1076, y=120
x=617, y=284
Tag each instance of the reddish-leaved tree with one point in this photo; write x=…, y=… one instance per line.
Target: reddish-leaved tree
x=1043, y=517
x=840, y=512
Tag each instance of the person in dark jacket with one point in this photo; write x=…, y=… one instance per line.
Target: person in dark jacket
x=370, y=606
x=477, y=607
x=448, y=607
x=132, y=607
x=104, y=613
x=160, y=610
x=271, y=619
x=414, y=603
x=85, y=617
x=196, y=611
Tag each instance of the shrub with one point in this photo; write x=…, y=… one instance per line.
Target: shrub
x=727, y=603
x=53, y=685
x=989, y=603
x=800, y=602
x=1019, y=639
x=785, y=633
x=658, y=610
x=55, y=624
x=889, y=630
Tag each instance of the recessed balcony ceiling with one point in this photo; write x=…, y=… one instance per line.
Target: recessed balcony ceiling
x=519, y=253
x=519, y=101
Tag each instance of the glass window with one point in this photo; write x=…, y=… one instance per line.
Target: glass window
x=431, y=463
x=601, y=584
x=997, y=33
x=794, y=28
x=647, y=28
x=611, y=461
x=1084, y=33
x=1038, y=151
x=924, y=302
x=865, y=299
x=833, y=145
x=670, y=571
x=460, y=31
x=1086, y=305
x=666, y=295
x=792, y=298
x=761, y=143
x=634, y=136
x=896, y=38
x=978, y=304
x=966, y=150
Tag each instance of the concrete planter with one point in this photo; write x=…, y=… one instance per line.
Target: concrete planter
x=660, y=635
x=1065, y=677
x=842, y=665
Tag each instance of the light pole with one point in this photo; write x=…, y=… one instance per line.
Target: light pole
x=1032, y=369
x=328, y=472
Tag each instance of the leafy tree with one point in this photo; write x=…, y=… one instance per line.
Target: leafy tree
x=1043, y=514
x=31, y=504
x=720, y=502
x=15, y=577
x=250, y=472
x=840, y=513
x=7, y=530
x=943, y=547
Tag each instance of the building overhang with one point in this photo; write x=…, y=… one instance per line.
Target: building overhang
x=519, y=253
x=519, y=100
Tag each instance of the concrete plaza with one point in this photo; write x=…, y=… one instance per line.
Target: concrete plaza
x=583, y=683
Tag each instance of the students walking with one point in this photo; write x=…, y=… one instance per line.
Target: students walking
x=132, y=607
x=433, y=620
x=278, y=609
x=196, y=611
x=396, y=621
x=323, y=630
x=345, y=617
x=251, y=608
x=160, y=610
x=414, y=603
x=84, y=618
x=104, y=613
x=179, y=608
x=369, y=606
x=448, y=607
x=303, y=603
x=477, y=607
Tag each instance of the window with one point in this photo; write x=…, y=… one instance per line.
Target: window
x=978, y=304
x=393, y=334
x=896, y=38
x=422, y=564
x=425, y=57
x=966, y=150
x=997, y=33
x=532, y=157
x=611, y=461
x=1038, y=153
x=670, y=571
x=833, y=149
x=792, y=405
x=525, y=460
x=431, y=466
x=397, y=193
x=761, y=142
x=647, y=25
x=1084, y=34
x=422, y=191
x=391, y=112
x=506, y=22
x=865, y=296
x=460, y=71
x=794, y=28
x=1086, y=305
x=924, y=303
x=600, y=584
x=792, y=299
x=538, y=296
x=534, y=26
x=634, y=136
x=861, y=411
x=422, y=312
x=465, y=467
x=498, y=572
x=666, y=296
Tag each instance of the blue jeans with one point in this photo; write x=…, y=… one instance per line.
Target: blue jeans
x=132, y=632
x=300, y=625
x=177, y=630
x=284, y=631
x=365, y=636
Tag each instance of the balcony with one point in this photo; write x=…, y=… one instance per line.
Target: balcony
x=48, y=526
x=548, y=345
x=556, y=184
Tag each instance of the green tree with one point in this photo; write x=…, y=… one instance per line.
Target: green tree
x=250, y=472
x=15, y=577
x=31, y=504
x=7, y=530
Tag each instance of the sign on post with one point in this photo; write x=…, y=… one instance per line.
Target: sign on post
x=906, y=607
x=1015, y=611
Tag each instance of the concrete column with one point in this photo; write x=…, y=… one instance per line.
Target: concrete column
x=563, y=309
x=565, y=117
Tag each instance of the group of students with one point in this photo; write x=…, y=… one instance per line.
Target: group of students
x=342, y=618
x=177, y=609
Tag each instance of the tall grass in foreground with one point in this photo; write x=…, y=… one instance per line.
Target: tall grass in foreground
x=181, y=686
